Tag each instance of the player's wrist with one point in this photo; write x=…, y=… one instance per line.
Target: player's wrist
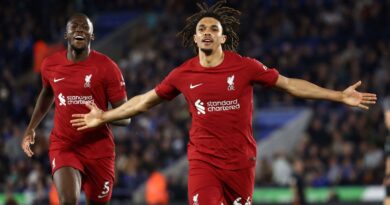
x=335, y=96
x=29, y=131
x=103, y=117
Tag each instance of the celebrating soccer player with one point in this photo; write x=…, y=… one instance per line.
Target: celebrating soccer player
x=218, y=86
x=72, y=78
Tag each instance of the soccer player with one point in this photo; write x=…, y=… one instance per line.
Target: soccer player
x=386, y=181
x=218, y=87
x=72, y=78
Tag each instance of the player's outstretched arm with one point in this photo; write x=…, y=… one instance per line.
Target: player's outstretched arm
x=44, y=102
x=304, y=89
x=122, y=122
x=134, y=106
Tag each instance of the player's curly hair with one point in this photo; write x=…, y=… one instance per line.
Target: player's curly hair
x=228, y=17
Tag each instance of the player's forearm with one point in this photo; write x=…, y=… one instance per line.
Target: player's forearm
x=134, y=106
x=129, y=109
x=44, y=102
x=304, y=89
x=123, y=122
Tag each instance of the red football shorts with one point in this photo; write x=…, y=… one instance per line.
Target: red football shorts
x=209, y=185
x=97, y=174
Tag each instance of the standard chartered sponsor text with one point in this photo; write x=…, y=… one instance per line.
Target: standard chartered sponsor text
x=223, y=105
x=77, y=100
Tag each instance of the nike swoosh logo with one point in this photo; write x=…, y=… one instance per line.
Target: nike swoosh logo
x=194, y=86
x=102, y=196
x=57, y=80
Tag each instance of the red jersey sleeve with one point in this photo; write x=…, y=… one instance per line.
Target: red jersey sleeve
x=115, y=84
x=261, y=74
x=45, y=80
x=166, y=88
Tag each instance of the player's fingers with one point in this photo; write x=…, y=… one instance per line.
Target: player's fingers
x=368, y=102
x=30, y=152
x=363, y=106
x=27, y=153
x=78, y=115
x=77, y=120
x=25, y=143
x=78, y=124
x=369, y=94
x=369, y=98
x=354, y=86
x=32, y=139
x=27, y=149
x=89, y=105
x=24, y=149
x=82, y=128
x=94, y=105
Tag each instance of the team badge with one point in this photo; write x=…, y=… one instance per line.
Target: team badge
x=87, y=83
x=230, y=81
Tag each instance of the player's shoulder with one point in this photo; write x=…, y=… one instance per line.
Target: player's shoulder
x=189, y=64
x=231, y=55
x=236, y=58
x=253, y=62
x=101, y=58
x=53, y=60
x=55, y=57
x=242, y=60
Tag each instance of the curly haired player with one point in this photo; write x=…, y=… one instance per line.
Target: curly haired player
x=218, y=86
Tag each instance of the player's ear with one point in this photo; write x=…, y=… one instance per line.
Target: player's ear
x=65, y=35
x=223, y=39
x=195, y=39
x=93, y=37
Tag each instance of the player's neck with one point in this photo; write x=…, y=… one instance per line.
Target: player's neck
x=212, y=60
x=74, y=56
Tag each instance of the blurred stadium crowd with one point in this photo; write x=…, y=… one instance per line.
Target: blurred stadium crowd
x=333, y=43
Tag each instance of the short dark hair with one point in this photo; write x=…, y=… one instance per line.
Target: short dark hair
x=228, y=17
x=78, y=15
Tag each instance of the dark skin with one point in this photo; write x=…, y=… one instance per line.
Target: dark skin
x=79, y=34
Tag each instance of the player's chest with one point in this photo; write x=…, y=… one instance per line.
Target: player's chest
x=74, y=78
x=213, y=85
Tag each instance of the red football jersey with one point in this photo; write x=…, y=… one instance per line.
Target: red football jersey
x=96, y=79
x=220, y=101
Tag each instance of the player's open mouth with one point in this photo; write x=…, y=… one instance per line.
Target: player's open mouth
x=79, y=38
x=207, y=40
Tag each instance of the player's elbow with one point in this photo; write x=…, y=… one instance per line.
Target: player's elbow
x=293, y=90
x=126, y=121
x=287, y=85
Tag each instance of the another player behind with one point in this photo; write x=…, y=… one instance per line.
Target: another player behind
x=72, y=78
x=218, y=87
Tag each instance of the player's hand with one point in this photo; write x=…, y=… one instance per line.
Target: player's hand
x=355, y=98
x=27, y=141
x=89, y=120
